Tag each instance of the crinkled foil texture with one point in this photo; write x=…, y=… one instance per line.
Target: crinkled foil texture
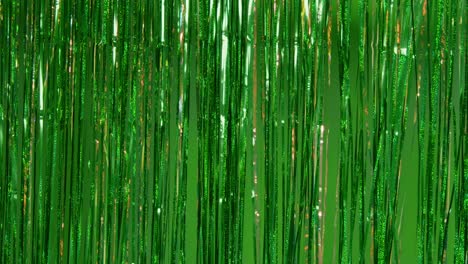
x=250, y=131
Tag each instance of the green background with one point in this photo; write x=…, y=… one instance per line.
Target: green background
x=251, y=131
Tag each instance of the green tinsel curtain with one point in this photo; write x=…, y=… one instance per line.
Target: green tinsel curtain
x=249, y=131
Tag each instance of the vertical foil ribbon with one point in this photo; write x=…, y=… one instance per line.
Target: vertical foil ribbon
x=250, y=131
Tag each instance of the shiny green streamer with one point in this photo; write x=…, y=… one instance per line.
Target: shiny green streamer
x=252, y=131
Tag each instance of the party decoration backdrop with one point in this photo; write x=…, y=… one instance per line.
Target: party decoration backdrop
x=249, y=131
